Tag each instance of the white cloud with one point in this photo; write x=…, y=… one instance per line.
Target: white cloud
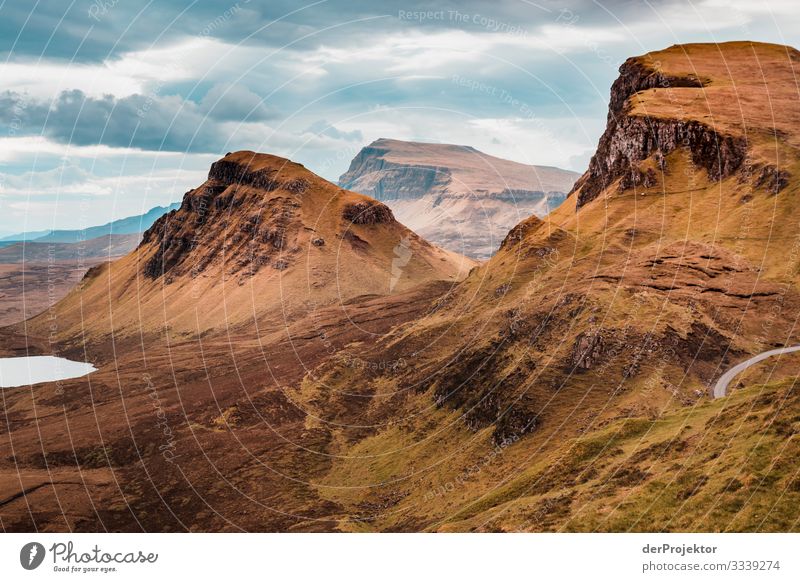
x=70, y=179
x=131, y=73
x=752, y=7
x=15, y=149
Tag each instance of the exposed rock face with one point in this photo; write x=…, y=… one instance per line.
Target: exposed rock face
x=587, y=350
x=773, y=179
x=455, y=196
x=367, y=213
x=517, y=234
x=372, y=173
x=245, y=215
x=636, y=76
x=630, y=139
x=206, y=228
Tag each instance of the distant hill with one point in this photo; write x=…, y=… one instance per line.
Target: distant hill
x=455, y=196
x=38, y=268
x=129, y=225
x=23, y=236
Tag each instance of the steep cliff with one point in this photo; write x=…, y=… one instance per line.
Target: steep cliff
x=455, y=196
x=650, y=117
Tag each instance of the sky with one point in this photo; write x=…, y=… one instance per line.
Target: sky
x=111, y=107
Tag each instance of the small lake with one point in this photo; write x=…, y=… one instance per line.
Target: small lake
x=35, y=369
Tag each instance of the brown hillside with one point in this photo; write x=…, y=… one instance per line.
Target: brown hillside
x=263, y=239
x=675, y=257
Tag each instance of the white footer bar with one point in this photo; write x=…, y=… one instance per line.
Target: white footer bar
x=406, y=557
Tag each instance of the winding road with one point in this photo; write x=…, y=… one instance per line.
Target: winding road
x=721, y=387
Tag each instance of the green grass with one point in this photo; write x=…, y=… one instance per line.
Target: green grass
x=726, y=465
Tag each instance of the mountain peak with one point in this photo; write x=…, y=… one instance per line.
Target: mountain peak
x=264, y=235
x=254, y=161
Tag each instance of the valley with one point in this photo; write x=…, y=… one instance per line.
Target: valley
x=37, y=269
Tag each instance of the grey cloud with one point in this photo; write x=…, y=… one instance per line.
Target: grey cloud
x=235, y=103
x=94, y=30
x=147, y=122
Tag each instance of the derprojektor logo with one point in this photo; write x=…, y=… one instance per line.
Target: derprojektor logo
x=31, y=555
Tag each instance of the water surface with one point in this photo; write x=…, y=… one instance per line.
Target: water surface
x=34, y=369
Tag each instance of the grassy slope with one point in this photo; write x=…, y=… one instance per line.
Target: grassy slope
x=726, y=465
x=419, y=472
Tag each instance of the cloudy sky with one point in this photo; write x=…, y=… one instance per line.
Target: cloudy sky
x=111, y=107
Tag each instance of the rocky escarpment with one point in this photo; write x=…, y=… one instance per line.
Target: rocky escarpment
x=631, y=139
x=189, y=241
x=372, y=174
x=227, y=173
x=635, y=76
x=455, y=196
x=368, y=212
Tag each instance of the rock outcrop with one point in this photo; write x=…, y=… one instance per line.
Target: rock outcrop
x=630, y=139
x=367, y=213
x=247, y=214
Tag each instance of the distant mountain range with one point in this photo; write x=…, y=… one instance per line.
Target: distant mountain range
x=129, y=225
x=39, y=268
x=455, y=196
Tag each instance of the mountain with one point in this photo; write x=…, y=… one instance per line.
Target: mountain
x=565, y=384
x=129, y=225
x=562, y=385
x=23, y=236
x=262, y=238
x=455, y=196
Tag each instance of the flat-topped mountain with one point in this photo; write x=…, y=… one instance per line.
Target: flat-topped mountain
x=455, y=196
